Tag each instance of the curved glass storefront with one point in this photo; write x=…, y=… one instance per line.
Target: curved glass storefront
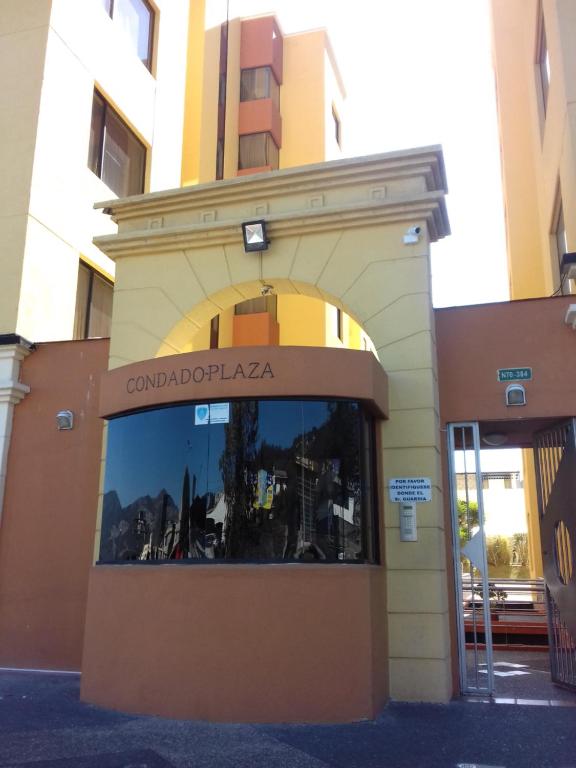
x=247, y=480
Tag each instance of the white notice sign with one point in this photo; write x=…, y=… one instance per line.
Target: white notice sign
x=410, y=489
x=219, y=413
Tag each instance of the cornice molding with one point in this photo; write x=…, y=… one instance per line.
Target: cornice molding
x=426, y=163
x=429, y=206
x=12, y=392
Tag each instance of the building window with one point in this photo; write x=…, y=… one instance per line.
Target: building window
x=339, y=324
x=214, y=332
x=257, y=150
x=115, y=155
x=259, y=83
x=260, y=304
x=136, y=20
x=561, y=242
x=93, y=304
x=543, y=62
x=245, y=480
x=337, y=127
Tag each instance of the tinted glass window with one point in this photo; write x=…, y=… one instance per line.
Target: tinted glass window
x=136, y=19
x=259, y=83
x=93, y=304
x=248, y=480
x=257, y=150
x=115, y=154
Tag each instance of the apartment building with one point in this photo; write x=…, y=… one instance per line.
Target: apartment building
x=535, y=68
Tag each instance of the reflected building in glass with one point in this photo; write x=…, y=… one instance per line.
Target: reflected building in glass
x=257, y=480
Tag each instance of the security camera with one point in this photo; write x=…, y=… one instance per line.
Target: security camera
x=412, y=235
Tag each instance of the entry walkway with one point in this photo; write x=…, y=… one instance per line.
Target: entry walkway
x=44, y=725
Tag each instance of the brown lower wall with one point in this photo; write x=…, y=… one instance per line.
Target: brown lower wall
x=237, y=643
x=49, y=513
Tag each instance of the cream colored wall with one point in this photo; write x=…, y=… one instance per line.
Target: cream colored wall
x=334, y=97
x=351, y=254
x=23, y=32
x=303, y=320
x=209, y=118
x=303, y=93
x=83, y=48
x=537, y=151
x=193, y=94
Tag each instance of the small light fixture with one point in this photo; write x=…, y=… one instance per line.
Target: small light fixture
x=64, y=420
x=515, y=394
x=570, y=317
x=254, y=234
x=495, y=439
x=568, y=266
x=266, y=289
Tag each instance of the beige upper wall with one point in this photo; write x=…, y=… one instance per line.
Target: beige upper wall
x=51, y=62
x=537, y=146
x=23, y=32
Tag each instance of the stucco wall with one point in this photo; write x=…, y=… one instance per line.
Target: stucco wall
x=336, y=233
x=49, y=515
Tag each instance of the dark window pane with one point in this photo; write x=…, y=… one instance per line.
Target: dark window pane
x=336, y=126
x=135, y=19
x=123, y=158
x=93, y=305
x=100, y=308
x=259, y=304
x=82, y=299
x=245, y=480
x=257, y=150
x=214, y=332
x=96, y=134
x=259, y=83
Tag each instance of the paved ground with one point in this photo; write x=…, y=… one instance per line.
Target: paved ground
x=43, y=725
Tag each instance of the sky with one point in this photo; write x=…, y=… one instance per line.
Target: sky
x=418, y=72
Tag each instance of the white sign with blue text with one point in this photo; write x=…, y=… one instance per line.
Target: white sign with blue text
x=410, y=489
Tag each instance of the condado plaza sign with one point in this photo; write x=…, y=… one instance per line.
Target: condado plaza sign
x=250, y=372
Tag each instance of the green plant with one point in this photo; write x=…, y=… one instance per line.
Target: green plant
x=519, y=543
x=467, y=519
x=498, y=550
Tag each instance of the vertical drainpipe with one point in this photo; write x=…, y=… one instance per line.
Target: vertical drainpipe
x=13, y=349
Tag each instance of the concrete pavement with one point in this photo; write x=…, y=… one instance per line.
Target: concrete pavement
x=44, y=725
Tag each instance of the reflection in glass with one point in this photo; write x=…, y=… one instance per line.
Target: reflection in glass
x=279, y=480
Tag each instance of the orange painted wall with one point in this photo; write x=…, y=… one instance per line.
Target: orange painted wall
x=256, y=329
x=260, y=116
x=261, y=45
x=49, y=517
x=473, y=342
x=237, y=643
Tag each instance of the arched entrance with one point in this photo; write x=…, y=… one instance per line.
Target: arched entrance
x=337, y=233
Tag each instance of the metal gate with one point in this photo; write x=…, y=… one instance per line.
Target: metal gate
x=555, y=459
x=471, y=572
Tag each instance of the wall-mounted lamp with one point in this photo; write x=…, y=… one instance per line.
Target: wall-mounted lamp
x=568, y=267
x=64, y=420
x=495, y=439
x=515, y=394
x=570, y=316
x=254, y=234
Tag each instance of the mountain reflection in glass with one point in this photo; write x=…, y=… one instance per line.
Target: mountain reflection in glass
x=281, y=480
